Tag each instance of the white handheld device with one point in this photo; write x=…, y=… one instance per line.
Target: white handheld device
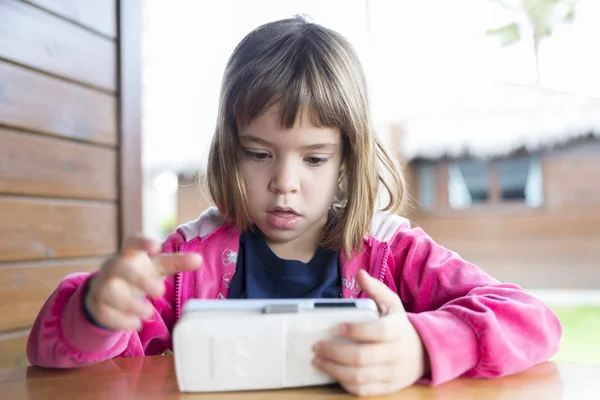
x=230, y=345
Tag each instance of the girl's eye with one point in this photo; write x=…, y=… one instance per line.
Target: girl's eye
x=256, y=155
x=315, y=161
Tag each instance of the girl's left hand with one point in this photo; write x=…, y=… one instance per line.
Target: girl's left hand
x=385, y=356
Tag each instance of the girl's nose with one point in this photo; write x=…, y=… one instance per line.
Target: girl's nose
x=285, y=178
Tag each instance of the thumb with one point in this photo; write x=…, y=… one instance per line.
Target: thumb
x=169, y=264
x=387, y=301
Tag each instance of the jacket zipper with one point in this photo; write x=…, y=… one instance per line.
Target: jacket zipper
x=177, y=293
x=386, y=254
x=177, y=312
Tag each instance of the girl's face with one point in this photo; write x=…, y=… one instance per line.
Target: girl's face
x=292, y=177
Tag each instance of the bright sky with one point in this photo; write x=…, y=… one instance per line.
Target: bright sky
x=421, y=54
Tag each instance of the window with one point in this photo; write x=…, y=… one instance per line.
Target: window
x=427, y=186
x=472, y=182
x=513, y=178
x=475, y=175
x=468, y=183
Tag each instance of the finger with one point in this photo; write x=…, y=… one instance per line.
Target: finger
x=114, y=319
x=371, y=389
x=168, y=264
x=346, y=374
x=357, y=354
x=120, y=296
x=139, y=244
x=387, y=301
x=140, y=274
x=385, y=329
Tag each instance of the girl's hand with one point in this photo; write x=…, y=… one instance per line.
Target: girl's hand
x=385, y=356
x=116, y=294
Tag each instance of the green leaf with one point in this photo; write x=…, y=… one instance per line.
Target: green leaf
x=508, y=34
x=570, y=17
x=546, y=31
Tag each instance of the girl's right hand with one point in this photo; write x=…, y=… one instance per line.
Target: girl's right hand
x=116, y=296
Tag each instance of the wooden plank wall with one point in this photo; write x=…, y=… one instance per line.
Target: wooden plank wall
x=63, y=140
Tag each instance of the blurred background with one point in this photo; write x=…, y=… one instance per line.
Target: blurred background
x=492, y=108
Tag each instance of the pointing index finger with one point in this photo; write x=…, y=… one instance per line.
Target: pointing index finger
x=169, y=264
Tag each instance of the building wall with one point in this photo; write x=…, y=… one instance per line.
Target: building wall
x=555, y=246
x=68, y=115
x=192, y=199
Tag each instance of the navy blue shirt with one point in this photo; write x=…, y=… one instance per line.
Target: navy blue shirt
x=261, y=274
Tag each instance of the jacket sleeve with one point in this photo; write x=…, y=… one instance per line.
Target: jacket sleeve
x=63, y=337
x=471, y=324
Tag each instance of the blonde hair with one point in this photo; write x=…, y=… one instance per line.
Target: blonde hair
x=303, y=67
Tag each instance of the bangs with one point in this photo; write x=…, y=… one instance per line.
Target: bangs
x=300, y=78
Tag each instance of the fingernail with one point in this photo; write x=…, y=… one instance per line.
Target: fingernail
x=316, y=347
x=318, y=361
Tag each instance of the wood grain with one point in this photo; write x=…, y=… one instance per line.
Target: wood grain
x=35, y=229
x=37, y=102
x=44, y=166
x=24, y=287
x=12, y=350
x=154, y=378
x=99, y=15
x=37, y=39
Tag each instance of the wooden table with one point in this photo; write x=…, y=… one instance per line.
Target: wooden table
x=154, y=378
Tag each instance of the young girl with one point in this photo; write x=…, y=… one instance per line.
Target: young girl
x=294, y=171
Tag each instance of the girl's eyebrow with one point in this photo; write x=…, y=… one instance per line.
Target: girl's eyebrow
x=254, y=139
x=321, y=146
x=316, y=146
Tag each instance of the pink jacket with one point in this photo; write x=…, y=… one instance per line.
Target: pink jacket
x=471, y=324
